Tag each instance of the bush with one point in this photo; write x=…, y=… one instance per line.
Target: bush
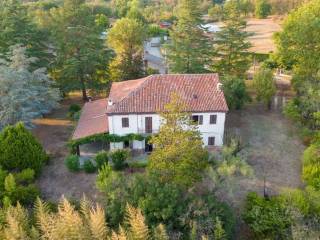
x=101, y=158
x=73, y=109
x=311, y=165
x=263, y=9
x=235, y=91
x=268, y=218
x=14, y=192
x=19, y=149
x=26, y=176
x=72, y=163
x=118, y=158
x=25, y=194
x=88, y=167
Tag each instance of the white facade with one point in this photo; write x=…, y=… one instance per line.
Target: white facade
x=136, y=124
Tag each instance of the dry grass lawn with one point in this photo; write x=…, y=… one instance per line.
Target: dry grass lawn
x=54, y=131
x=263, y=30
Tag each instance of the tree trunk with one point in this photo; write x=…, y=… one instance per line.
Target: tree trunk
x=84, y=90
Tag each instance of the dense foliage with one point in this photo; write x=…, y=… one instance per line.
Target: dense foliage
x=179, y=156
x=25, y=94
x=311, y=165
x=18, y=28
x=19, y=149
x=265, y=86
x=262, y=9
x=81, y=55
x=268, y=218
x=118, y=158
x=231, y=46
x=126, y=39
x=189, y=50
x=296, y=50
x=234, y=89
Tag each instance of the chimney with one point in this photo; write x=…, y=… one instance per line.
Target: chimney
x=110, y=103
x=219, y=86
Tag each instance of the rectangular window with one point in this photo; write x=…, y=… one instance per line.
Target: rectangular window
x=148, y=124
x=125, y=122
x=197, y=119
x=213, y=119
x=211, y=141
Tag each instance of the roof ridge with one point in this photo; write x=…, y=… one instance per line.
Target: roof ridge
x=136, y=89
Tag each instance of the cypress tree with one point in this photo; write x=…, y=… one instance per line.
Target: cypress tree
x=19, y=149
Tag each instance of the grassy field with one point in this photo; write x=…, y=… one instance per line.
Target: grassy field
x=263, y=30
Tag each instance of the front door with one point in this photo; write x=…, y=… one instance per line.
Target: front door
x=148, y=124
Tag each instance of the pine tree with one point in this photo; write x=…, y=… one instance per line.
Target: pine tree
x=190, y=48
x=232, y=45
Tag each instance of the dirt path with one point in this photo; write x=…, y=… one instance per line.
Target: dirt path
x=54, y=131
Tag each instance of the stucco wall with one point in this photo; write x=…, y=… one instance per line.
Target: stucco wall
x=137, y=125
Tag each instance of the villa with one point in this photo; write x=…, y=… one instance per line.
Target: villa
x=133, y=108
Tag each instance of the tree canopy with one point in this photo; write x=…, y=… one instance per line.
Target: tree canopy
x=126, y=39
x=25, y=94
x=179, y=156
x=297, y=49
x=190, y=48
x=81, y=55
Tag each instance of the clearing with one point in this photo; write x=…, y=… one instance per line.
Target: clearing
x=263, y=29
x=272, y=148
x=54, y=131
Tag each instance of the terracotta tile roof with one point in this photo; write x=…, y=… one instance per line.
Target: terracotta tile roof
x=93, y=119
x=149, y=95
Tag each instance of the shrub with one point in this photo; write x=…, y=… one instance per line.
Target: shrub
x=263, y=9
x=88, y=167
x=14, y=192
x=101, y=158
x=25, y=194
x=235, y=91
x=118, y=158
x=73, y=109
x=72, y=163
x=311, y=165
x=19, y=149
x=26, y=176
x=268, y=218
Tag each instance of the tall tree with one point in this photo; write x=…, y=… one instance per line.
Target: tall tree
x=298, y=49
x=179, y=156
x=17, y=28
x=232, y=45
x=190, y=47
x=126, y=39
x=24, y=94
x=81, y=55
